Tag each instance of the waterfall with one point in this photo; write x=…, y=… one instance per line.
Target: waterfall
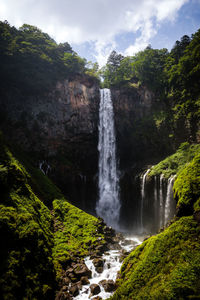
x=161, y=208
x=108, y=206
x=143, y=198
x=168, y=212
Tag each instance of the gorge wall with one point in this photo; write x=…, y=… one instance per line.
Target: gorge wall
x=142, y=140
x=59, y=132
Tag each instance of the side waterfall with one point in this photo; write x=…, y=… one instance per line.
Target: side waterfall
x=108, y=206
x=168, y=211
x=143, y=199
x=157, y=202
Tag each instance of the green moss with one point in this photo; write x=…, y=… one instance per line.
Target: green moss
x=26, y=235
x=36, y=243
x=166, y=266
x=187, y=188
x=175, y=163
x=75, y=231
x=42, y=186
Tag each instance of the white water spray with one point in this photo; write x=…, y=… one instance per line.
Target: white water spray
x=168, y=199
x=161, y=201
x=143, y=198
x=108, y=206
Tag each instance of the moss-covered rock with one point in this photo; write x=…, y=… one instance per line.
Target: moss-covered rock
x=76, y=233
x=176, y=162
x=166, y=266
x=187, y=188
x=26, y=269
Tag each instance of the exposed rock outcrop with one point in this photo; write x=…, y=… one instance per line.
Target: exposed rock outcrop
x=60, y=130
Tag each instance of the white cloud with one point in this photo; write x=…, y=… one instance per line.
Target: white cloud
x=99, y=21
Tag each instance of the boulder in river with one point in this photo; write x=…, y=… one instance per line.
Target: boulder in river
x=95, y=289
x=63, y=296
x=74, y=290
x=108, y=285
x=84, y=280
x=82, y=270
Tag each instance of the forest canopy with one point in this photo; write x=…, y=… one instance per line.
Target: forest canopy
x=173, y=76
x=32, y=60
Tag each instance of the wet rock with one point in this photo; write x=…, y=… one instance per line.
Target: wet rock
x=95, y=289
x=108, y=285
x=64, y=288
x=79, y=285
x=114, y=246
x=84, y=280
x=98, y=262
x=66, y=281
x=123, y=255
x=82, y=270
x=68, y=271
x=63, y=296
x=197, y=216
x=99, y=270
x=128, y=242
x=74, y=291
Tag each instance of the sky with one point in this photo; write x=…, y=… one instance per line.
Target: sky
x=96, y=27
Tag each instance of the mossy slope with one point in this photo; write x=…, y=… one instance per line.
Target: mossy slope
x=187, y=188
x=176, y=162
x=26, y=269
x=37, y=241
x=167, y=266
x=76, y=233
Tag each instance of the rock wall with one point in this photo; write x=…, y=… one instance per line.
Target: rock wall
x=142, y=141
x=59, y=132
x=140, y=138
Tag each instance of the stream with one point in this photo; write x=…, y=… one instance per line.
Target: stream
x=112, y=265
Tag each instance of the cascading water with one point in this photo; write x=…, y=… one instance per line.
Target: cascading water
x=143, y=199
x=157, y=202
x=108, y=206
x=161, y=208
x=168, y=211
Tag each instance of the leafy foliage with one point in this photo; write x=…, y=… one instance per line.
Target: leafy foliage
x=31, y=60
x=174, y=78
x=146, y=67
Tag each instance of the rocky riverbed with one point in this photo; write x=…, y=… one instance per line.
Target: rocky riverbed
x=94, y=277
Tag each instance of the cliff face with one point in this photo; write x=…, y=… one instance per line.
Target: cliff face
x=59, y=133
x=142, y=140
x=140, y=126
x=59, y=130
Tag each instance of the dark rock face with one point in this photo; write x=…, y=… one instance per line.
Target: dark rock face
x=142, y=140
x=139, y=137
x=59, y=130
